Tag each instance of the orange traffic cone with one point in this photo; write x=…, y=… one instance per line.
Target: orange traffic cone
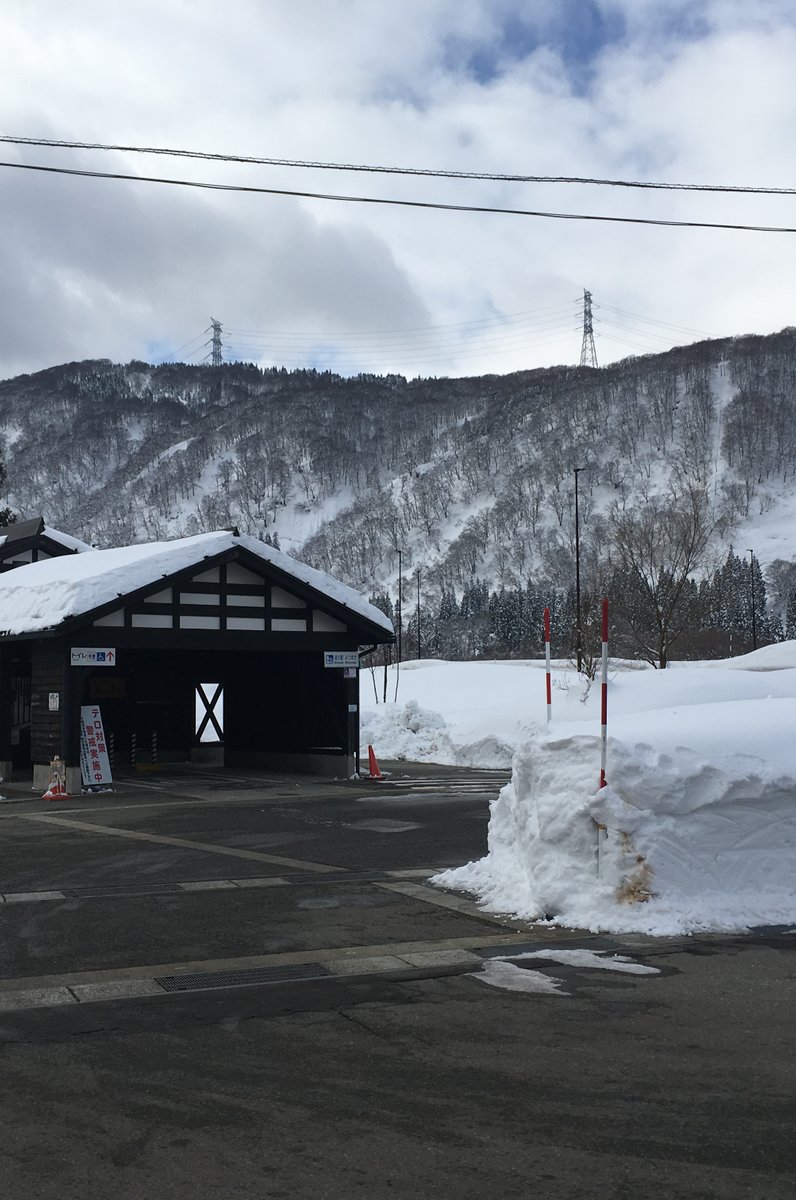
x=373, y=766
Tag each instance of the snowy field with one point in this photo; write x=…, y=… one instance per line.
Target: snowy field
x=697, y=827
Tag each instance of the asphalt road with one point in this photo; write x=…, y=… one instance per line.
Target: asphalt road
x=361, y=1050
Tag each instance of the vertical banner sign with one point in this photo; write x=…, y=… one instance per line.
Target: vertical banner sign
x=95, y=766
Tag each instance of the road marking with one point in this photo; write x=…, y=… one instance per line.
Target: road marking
x=207, y=885
x=261, y=881
x=42, y=997
x=76, y=891
x=444, y=900
x=376, y=964
x=181, y=800
x=414, y=873
x=119, y=989
x=183, y=843
x=21, y=897
x=442, y=958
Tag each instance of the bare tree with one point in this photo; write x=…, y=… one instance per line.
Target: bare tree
x=656, y=551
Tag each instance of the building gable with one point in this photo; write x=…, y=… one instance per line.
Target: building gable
x=26, y=542
x=239, y=594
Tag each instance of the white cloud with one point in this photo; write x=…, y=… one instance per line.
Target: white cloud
x=691, y=92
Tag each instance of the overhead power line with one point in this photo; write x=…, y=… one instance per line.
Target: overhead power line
x=380, y=200
x=343, y=364
x=532, y=314
x=651, y=320
x=633, y=330
x=60, y=143
x=299, y=341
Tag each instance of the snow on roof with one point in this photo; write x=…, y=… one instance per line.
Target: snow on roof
x=55, y=535
x=43, y=594
x=66, y=539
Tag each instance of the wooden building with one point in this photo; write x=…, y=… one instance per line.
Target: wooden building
x=211, y=648
x=33, y=541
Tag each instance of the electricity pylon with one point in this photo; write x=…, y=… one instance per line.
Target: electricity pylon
x=588, y=354
x=216, y=358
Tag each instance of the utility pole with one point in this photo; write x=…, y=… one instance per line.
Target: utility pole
x=216, y=359
x=751, y=554
x=588, y=354
x=578, y=625
x=419, y=655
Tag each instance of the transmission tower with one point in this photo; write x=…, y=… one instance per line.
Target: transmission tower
x=588, y=354
x=216, y=359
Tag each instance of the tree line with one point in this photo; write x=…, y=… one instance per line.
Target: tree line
x=728, y=612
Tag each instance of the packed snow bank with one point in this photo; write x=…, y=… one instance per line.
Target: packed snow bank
x=480, y=713
x=699, y=823
x=459, y=713
x=700, y=814
x=410, y=733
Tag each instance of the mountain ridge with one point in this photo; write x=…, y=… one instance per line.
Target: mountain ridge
x=470, y=478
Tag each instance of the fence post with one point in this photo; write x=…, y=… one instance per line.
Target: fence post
x=602, y=831
x=548, y=689
x=604, y=696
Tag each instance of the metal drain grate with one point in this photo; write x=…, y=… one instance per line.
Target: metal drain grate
x=226, y=979
x=123, y=889
x=338, y=877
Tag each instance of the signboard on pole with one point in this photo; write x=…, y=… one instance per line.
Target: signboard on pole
x=95, y=766
x=341, y=658
x=93, y=656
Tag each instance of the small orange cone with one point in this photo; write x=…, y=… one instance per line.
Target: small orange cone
x=373, y=766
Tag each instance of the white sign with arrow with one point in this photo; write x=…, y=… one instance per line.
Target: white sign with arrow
x=93, y=656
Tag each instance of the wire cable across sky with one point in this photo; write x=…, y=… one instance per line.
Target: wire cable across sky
x=436, y=173
x=383, y=200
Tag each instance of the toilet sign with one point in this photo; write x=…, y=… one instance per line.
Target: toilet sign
x=93, y=656
x=341, y=658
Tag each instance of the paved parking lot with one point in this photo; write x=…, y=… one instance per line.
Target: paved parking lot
x=238, y=985
x=199, y=872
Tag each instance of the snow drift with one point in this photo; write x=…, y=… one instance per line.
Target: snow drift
x=699, y=818
x=696, y=830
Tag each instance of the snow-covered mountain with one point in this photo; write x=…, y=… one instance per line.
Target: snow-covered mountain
x=469, y=478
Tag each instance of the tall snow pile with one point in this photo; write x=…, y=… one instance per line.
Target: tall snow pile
x=700, y=813
x=696, y=830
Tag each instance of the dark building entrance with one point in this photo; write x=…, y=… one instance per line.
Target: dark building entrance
x=178, y=701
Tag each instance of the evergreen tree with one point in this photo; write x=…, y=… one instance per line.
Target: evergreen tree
x=790, y=616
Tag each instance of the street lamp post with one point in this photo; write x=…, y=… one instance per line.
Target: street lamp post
x=578, y=625
x=419, y=655
x=751, y=554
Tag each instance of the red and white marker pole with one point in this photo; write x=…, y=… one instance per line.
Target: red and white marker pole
x=602, y=831
x=548, y=689
x=604, y=696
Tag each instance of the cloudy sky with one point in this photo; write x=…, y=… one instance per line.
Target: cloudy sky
x=684, y=91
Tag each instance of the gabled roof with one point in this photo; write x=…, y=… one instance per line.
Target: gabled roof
x=42, y=595
x=37, y=529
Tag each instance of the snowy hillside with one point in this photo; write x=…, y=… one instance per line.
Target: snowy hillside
x=698, y=819
x=469, y=478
